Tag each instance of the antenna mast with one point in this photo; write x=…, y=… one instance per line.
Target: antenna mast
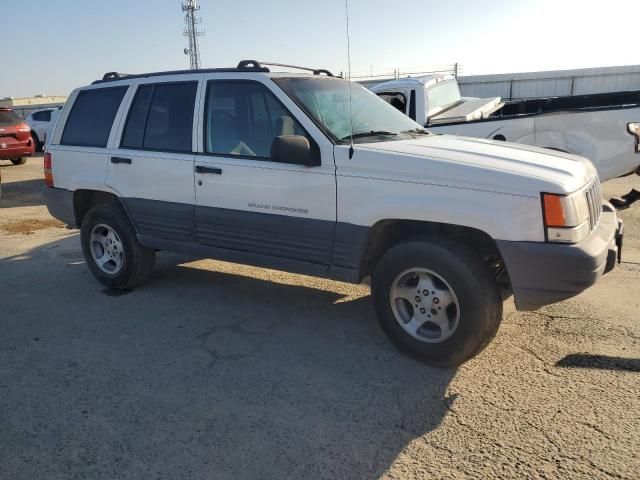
x=192, y=32
x=346, y=8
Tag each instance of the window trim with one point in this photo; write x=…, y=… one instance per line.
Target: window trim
x=146, y=120
x=315, y=148
x=124, y=89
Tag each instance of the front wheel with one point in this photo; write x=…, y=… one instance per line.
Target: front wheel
x=111, y=249
x=437, y=300
x=19, y=161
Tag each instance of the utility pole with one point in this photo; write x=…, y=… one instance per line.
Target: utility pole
x=192, y=32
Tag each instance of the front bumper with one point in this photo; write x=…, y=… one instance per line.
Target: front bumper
x=545, y=273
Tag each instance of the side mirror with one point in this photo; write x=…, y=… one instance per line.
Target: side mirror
x=294, y=149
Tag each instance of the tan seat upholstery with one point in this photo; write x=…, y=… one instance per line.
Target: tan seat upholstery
x=284, y=126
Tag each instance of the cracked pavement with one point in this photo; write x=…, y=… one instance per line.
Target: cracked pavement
x=220, y=371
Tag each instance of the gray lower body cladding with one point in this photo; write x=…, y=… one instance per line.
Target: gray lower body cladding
x=297, y=244
x=545, y=273
x=540, y=273
x=59, y=202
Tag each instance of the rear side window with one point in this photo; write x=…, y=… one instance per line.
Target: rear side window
x=9, y=118
x=161, y=118
x=43, y=116
x=397, y=100
x=91, y=117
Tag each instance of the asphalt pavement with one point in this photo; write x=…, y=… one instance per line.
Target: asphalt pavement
x=219, y=371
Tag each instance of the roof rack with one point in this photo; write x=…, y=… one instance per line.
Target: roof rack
x=315, y=71
x=244, y=66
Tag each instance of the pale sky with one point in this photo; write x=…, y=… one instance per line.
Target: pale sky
x=52, y=47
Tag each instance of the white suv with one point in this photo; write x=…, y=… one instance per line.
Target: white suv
x=315, y=175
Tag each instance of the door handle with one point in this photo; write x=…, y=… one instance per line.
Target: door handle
x=121, y=160
x=203, y=169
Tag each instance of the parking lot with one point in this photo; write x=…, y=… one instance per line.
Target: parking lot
x=215, y=370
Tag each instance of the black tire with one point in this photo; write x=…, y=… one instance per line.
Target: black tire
x=138, y=261
x=36, y=141
x=474, y=286
x=19, y=161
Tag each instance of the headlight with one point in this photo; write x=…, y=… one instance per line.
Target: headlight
x=566, y=217
x=634, y=129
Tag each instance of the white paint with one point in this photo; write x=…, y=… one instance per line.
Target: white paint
x=491, y=186
x=601, y=136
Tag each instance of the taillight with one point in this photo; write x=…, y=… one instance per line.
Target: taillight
x=48, y=173
x=23, y=133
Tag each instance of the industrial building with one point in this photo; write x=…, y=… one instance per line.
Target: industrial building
x=25, y=105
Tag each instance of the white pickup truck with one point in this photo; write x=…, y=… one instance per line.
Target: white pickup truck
x=268, y=169
x=605, y=128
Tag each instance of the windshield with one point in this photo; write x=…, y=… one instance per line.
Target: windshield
x=326, y=100
x=9, y=118
x=443, y=95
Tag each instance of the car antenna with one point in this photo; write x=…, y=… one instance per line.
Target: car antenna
x=351, y=151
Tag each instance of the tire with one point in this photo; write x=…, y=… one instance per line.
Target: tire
x=36, y=141
x=129, y=263
x=19, y=161
x=473, y=310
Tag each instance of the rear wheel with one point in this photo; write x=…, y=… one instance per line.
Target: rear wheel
x=19, y=161
x=111, y=250
x=437, y=300
x=36, y=141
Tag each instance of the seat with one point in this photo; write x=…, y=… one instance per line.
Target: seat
x=285, y=126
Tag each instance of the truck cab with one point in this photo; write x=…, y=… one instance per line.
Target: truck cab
x=435, y=99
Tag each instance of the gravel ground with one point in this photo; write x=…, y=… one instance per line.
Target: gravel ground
x=220, y=371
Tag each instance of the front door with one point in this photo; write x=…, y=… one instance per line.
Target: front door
x=245, y=201
x=152, y=168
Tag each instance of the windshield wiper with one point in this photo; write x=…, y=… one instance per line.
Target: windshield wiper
x=421, y=131
x=372, y=133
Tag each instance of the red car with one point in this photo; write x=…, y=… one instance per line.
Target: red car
x=15, y=137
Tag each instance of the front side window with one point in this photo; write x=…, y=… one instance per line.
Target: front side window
x=161, y=118
x=243, y=118
x=91, y=117
x=330, y=100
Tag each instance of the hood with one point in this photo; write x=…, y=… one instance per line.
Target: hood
x=487, y=164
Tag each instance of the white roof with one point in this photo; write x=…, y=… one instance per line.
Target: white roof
x=427, y=81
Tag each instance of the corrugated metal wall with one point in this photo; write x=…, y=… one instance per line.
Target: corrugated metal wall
x=552, y=83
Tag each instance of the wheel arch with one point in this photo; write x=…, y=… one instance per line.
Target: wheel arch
x=85, y=199
x=386, y=234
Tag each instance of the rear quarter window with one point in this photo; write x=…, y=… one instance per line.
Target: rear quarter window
x=9, y=118
x=91, y=117
x=42, y=116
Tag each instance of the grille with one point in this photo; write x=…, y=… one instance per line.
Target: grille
x=594, y=200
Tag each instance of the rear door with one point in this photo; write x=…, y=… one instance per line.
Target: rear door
x=85, y=130
x=246, y=201
x=39, y=123
x=151, y=167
